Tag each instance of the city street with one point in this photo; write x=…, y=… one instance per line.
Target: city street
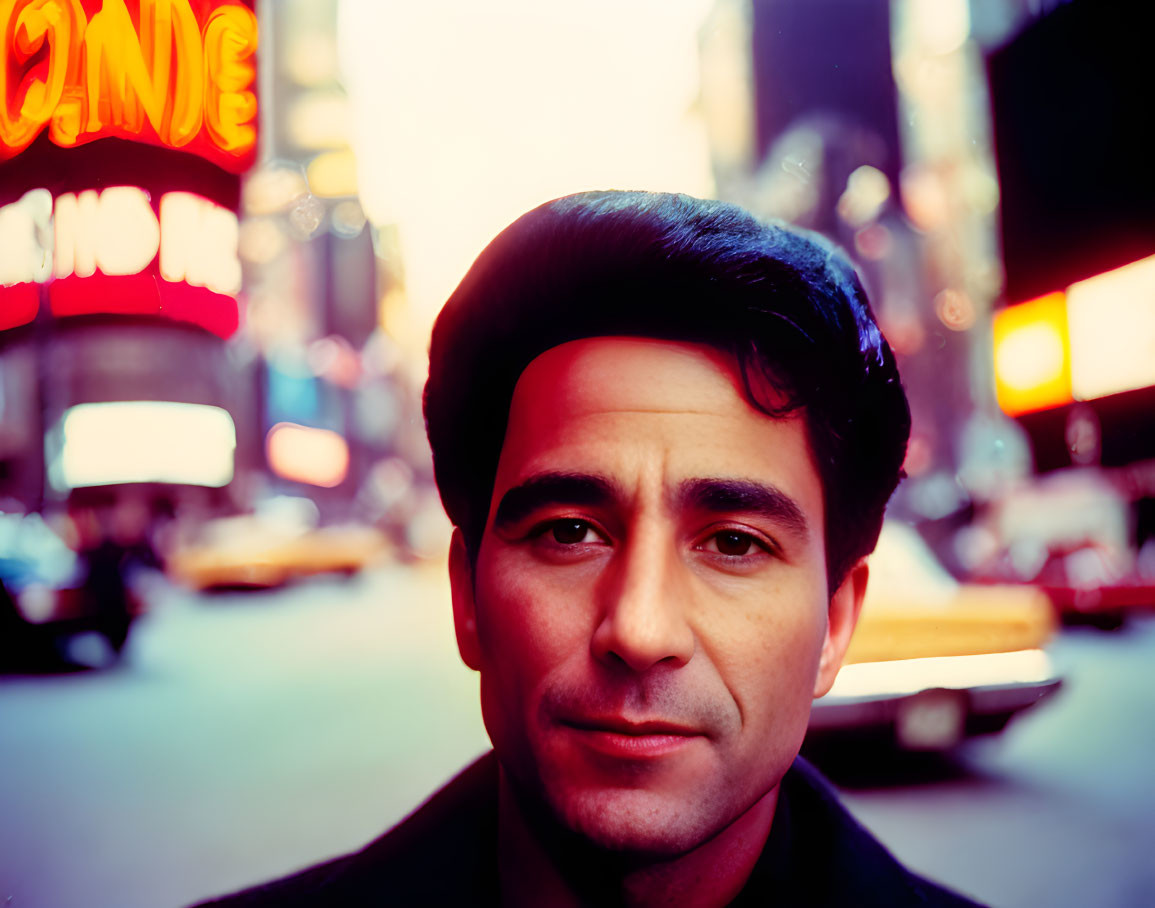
x=279, y=279
x=249, y=734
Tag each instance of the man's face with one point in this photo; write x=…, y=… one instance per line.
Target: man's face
x=649, y=609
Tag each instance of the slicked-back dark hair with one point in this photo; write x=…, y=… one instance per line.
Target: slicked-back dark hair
x=784, y=302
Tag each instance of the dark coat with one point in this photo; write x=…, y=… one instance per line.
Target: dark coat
x=445, y=853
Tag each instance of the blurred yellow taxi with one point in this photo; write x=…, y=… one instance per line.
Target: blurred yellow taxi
x=253, y=552
x=934, y=661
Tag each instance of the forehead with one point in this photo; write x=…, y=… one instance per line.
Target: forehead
x=625, y=373
x=637, y=406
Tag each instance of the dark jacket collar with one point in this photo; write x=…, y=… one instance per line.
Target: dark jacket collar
x=817, y=854
x=445, y=853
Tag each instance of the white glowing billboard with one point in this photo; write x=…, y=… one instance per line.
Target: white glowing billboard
x=1095, y=339
x=1111, y=319
x=141, y=441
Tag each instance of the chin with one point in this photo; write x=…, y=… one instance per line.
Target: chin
x=635, y=823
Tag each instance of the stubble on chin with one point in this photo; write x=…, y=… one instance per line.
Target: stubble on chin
x=636, y=810
x=624, y=826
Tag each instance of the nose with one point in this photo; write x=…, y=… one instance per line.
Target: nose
x=644, y=620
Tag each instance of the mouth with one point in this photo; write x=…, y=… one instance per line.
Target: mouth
x=616, y=736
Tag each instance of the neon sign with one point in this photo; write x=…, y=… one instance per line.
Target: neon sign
x=117, y=232
x=177, y=73
x=111, y=252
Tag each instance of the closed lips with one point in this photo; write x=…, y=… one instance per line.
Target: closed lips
x=634, y=729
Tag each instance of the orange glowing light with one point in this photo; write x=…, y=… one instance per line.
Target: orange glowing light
x=1033, y=355
x=317, y=457
x=180, y=74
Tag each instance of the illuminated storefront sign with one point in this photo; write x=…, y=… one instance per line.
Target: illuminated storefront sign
x=141, y=441
x=177, y=73
x=111, y=252
x=25, y=226
x=117, y=231
x=1095, y=339
x=1112, y=323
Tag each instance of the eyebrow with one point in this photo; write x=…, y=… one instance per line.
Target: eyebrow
x=726, y=496
x=546, y=489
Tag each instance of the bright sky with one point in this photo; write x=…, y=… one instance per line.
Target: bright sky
x=468, y=114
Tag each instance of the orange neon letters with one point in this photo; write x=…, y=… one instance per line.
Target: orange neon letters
x=229, y=106
x=163, y=77
x=26, y=106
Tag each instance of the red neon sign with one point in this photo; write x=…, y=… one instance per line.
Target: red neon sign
x=19, y=304
x=176, y=73
x=113, y=253
x=144, y=294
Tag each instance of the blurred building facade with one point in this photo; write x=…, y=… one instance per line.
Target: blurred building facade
x=966, y=154
x=972, y=157
x=338, y=410
x=1074, y=338
x=876, y=135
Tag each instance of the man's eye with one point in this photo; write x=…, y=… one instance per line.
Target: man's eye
x=733, y=544
x=570, y=532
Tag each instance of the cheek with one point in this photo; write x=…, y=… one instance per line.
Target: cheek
x=536, y=615
x=767, y=649
x=530, y=636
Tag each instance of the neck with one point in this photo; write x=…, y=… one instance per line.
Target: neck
x=540, y=865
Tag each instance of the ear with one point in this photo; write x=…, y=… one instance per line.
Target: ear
x=464, y=608
x=845, y=605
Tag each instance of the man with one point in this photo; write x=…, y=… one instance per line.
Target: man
x=666, y=434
